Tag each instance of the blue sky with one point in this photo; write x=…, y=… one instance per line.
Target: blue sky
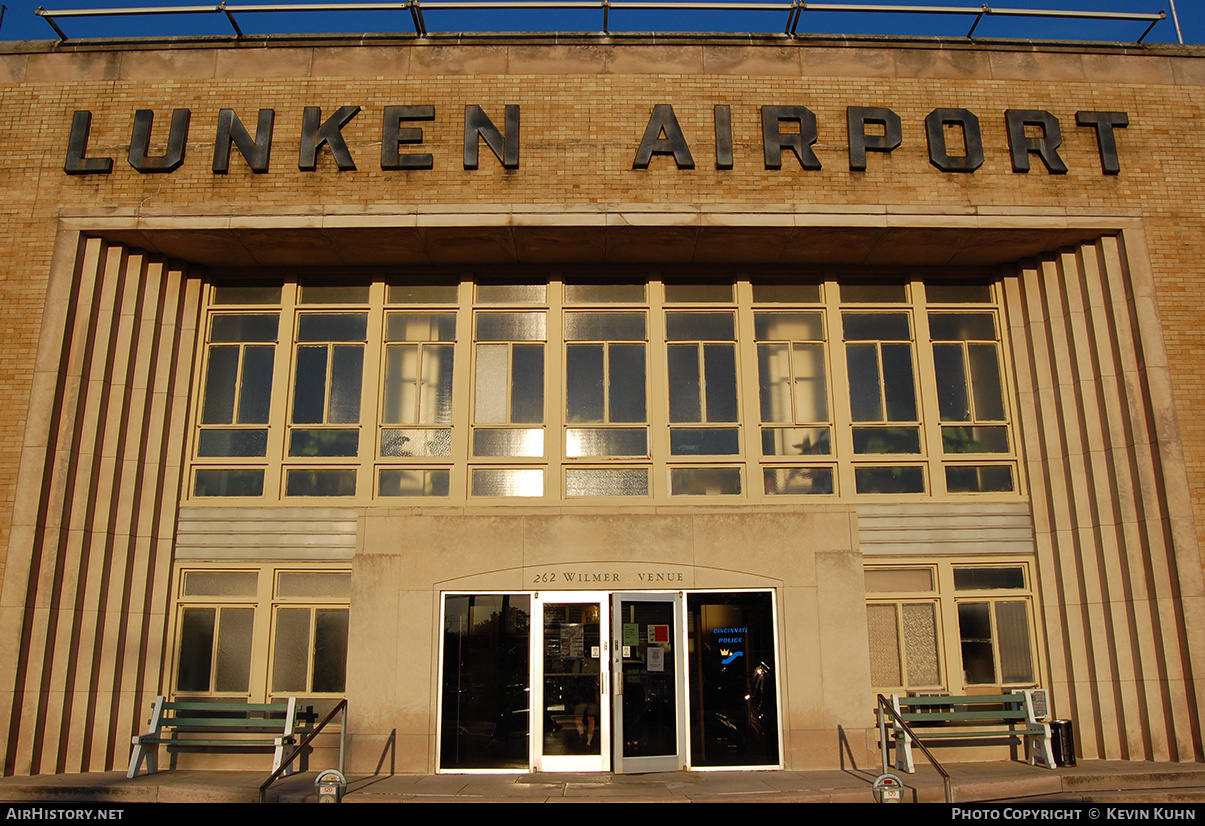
x=21, y=23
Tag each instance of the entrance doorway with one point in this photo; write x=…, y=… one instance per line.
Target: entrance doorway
x=608, y=687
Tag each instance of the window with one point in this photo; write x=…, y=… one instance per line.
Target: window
x=773, y=387
x=262, y=632
x=977, y=617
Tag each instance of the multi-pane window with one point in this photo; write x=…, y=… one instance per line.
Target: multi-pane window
x=950, y=626
x=648, y=388
x=261, y=632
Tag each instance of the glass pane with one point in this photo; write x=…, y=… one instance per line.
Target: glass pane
x=886, y=440
x=882, y=625
x=511, y=327
x=797, y=481
x=229, y=483
x=291, y=650
x=719, y=373
x=485, y=682
x=491, y=383
x=962, y=327
x=220, y=583
x=401, y=384
x=626, y=383
x=700, y=326
x=225, y=294
x=309, y=390
x=774, y=382
x=899, y=580
x=334, y=294
x=796, y=441
x=508, y=482
x=957, y=293
x=528, y=442
x=606, y=482
x=572, y=678
x=330, y=650
x=874, y=293
x=244, y=327
x=811, y=393
x=899, y=389
x=698, y=293
x=974, y=439
x=527, y=389
x=234, y=650
x=1012, y=629
x=606, y=441
x=604, y=293
x=255, y=395
x=985, y=381
x=979, y=479
x=953, y=401
x=865, y=393
x=889, y=479
x=324, y=442
x=788, y=326
x=332, y=327
x=704, y=441
x=684, y=402
x=398, y=442
x=733, y=700
x=331, y=584
x=347, y=378
x=975, y=632
x=650, y=713
x=420, y=327
x=432, y=482
x=786, y=293
x=705, y=481
x=876, y=327
x=435, y=399
x=320, y=483
x=233, y=443
x=585, y=395
x=421, y=294
x=219, y=385
x=989, y=579
x=511, y=293
x=605, y=327
x=920, y=644
x=196, y=649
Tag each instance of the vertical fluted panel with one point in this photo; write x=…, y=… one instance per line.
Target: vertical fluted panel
x=100, y=480
x=1118, y=565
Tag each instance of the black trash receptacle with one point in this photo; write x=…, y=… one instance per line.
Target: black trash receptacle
x=1062, y=735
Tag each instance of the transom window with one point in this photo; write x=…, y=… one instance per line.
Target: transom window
x=561, y=388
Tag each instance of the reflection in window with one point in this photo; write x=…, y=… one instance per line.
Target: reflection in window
x=215, y=650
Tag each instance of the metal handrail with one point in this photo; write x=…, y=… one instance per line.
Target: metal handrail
x=793, y=9
x=340, y=706
x=883, y=704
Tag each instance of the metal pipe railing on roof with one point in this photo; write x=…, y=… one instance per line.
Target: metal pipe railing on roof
x=794, y=11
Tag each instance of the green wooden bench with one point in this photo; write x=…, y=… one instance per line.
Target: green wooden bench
x=221, y=725
x=971, y=720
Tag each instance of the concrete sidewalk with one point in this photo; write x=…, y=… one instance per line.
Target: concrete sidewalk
x=1114, y=782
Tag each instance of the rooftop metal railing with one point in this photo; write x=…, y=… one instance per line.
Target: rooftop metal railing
x=793, y=11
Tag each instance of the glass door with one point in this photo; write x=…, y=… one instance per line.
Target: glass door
x=571, y=699
x=649, y=693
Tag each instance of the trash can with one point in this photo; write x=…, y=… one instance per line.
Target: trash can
x=1062, y=735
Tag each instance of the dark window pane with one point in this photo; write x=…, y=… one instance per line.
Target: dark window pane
x=684, y=402
x=324, y=442
x=962, y=327
x=958, y=293
x=786, y=293
x=889, y=479
x=605, y=327
x=255, y=393
x=698, y=293
x=701, y=441
x=985, y=381
x=796, y=441
x=330, y=649
x=705, y=481
x=527, y=390
x=989, y=578
x=584, y=392
x=334, y=294
x=700, y=326
x=246, y=294
x=434, y=482
x=244, y=327
x=974, y=439
x=309, y=391
x=626, y=383
x=719, y=370
x=234, y=650
x=229, y=483
x=233, y=443
x=196, y=649
x=886, y=440
x=865, y=394
x=291, y=650
x=899, y=389
x=332, y=327
x=953, y=402
x=320, y=483
x=792, y=481
x=347, y=378
x=219, y=386
x=975, y=630
x=979, y=479
x=1012, y=629
x=876, y=327
x=874, y=293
